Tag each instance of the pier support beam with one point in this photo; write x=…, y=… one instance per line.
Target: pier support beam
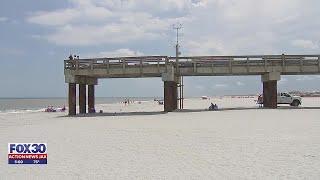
x=170, y=96
x=72, y=98
x=82, y=98
x=170, y=90
x=83, y=81
x=91, y=98
x=270, y=89
x=270, y=94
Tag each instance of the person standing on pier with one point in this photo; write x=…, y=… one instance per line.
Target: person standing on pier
x=70, y=57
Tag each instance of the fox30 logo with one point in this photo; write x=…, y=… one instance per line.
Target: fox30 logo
x=27, y=153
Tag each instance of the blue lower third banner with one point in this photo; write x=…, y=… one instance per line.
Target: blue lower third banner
x=27, y=161
x=27, y=158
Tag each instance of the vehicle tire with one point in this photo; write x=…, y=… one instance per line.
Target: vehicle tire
x=295, y=103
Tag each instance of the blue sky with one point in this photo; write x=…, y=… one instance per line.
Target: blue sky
x=37, y=35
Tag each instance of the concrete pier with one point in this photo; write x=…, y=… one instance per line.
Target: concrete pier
x=269, y=67
x=270, y=94
x=170, y=96
x=82, y=81
x=91, y=99
x=269, y=81
x=170, y=89
x=72, y=98
x=82, y=98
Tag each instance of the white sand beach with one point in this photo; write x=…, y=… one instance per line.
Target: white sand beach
x=138, y=141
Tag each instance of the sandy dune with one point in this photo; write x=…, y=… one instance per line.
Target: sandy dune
x=140, y=142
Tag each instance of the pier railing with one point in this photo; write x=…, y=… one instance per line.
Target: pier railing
x=119, y=62
x=193, y=61
x=262, y=60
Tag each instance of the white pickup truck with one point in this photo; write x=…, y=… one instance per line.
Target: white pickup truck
x=284, y=98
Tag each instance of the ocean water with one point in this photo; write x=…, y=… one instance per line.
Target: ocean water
x=39, y=104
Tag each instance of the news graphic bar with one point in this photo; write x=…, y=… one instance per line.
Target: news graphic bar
x=27, y=153
x=27, y=158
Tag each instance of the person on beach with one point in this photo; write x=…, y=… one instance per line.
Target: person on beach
x=63, y=109
x=160, y=102
x=213, y=107
x=92, y=110
x=260, y=100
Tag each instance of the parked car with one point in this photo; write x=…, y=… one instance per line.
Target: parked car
x=284, y=98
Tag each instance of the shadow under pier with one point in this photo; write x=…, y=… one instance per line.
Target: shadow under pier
x=185, y=111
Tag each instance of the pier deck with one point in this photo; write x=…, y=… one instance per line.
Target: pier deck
x=154, y=66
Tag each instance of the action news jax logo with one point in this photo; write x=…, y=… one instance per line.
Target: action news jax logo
x=27, y=153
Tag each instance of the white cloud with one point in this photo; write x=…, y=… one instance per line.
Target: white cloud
x=307, y=44
x=250, y=26
x=249, y=10
x=95, y=35
x=211, y=27
x=205, y=46
x=77, y=15
x=115, y=53
x=3, y=19
x=150, y=5
x=59, y=17
x=90, y=22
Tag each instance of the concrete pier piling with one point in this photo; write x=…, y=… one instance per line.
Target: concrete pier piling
x=82, y=98
x=82, y=81
x=170, y=89
x=270, y=94
x=72, y=98
x=269, y=81
x=91, y=98
x=170, y=96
